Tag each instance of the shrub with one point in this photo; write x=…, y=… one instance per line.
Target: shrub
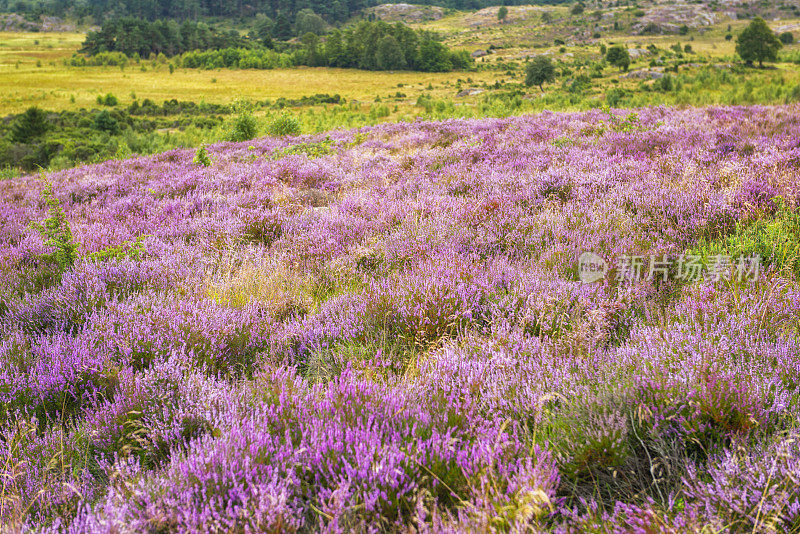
x=786, y=38
x=794, y=94
x=615, y=96
x=581, y=83
x=284, y=125
x=201, y=157
x=651, y=29
x=133, y=250
x=244, y=128
x=619, y=57
x=105, y=122
x=666, y=84
x=56, y=232
x=107, y=100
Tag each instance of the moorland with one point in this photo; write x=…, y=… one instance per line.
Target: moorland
x=522, y=268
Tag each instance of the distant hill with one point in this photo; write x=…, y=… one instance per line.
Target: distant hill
x=331, y=10
x=406, y=12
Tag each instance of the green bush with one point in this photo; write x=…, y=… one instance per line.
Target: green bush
x=615, y=96
x=244, y=128
x=128, y=250
x=794, y=94
x=56, y=232
x=105, y=122
x=7, y=173
x=284, y=125
x=666, y=84
x=201, y=157
x=107, y=100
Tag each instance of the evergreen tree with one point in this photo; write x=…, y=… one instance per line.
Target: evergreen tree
x=283, y=28
x=502, y=13
x=29, y=125
x=262, y=29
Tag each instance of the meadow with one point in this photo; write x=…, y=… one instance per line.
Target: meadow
x=51, y=84
x=385, y=328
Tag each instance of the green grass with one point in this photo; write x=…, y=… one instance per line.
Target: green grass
x=775, y=240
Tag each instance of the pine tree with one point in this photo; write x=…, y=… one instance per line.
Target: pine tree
x=502, y=13
x=283, y=28
x=29, y=125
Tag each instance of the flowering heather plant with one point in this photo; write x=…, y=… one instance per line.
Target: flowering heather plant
x=386, y=330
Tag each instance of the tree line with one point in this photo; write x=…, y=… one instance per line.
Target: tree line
x=136, y=36
x=365, y=45
x=382, y=46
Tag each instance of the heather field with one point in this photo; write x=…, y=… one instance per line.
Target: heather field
x=386, y=329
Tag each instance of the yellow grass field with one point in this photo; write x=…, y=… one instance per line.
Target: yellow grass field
x=33, y=70
x=53, y=85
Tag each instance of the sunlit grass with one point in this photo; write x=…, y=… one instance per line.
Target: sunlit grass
x=55, y=86
x=32, y=70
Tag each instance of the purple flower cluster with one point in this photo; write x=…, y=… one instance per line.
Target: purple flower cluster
x=391, y=334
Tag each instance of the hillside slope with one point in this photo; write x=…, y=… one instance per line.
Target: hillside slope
x=386, y=327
